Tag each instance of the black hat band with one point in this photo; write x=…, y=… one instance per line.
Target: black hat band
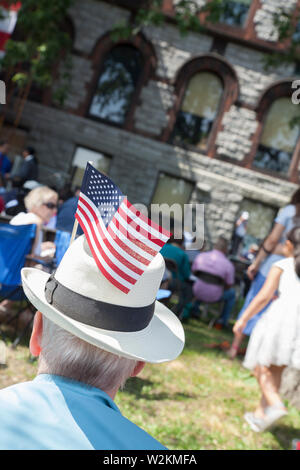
x=96, y=313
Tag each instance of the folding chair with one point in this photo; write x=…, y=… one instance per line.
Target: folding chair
x=15, y=244
x=174, y=285
x=178, y=288
x=213, y=280
x=62, y=242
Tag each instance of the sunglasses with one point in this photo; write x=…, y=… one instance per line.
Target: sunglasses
x=50, y=205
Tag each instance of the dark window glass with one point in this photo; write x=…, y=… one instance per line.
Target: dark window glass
x=198, y=111
x=279, y=137
x=118, y=80
x=234, y=12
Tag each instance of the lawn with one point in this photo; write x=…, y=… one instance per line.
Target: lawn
x=194, y=402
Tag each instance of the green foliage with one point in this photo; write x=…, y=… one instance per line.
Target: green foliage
x=143, y=18
x=214, y=8
x=40, y=42
x=185, y=15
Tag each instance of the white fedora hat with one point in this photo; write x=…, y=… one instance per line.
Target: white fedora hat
x=78, y=298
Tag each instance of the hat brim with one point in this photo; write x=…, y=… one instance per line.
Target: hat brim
x=162, y=340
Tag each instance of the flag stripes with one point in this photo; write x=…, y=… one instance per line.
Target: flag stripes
x=123, y=242
x=115, y=265
x=103, y=242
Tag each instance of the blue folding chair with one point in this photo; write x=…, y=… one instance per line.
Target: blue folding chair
x=62, y=242
x=15, y=244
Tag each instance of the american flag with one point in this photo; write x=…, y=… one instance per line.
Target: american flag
x=8, y=20
x=122, y=240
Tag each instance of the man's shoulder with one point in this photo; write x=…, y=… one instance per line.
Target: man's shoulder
x=134, y=437
x=11, y=397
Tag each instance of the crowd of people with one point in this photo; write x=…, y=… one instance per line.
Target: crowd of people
x=46, y=206
x=90, y=337
x=270, y=316
x=26, y=201
x=208, y=278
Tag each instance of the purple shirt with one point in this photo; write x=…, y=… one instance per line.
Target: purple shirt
x=213, y=262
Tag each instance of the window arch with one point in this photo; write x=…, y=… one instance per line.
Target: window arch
x=278, y=138
x=198, y=109
x=120, y=72
x=205, y=88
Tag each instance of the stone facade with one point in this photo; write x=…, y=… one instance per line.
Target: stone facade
x=263, y=18
x=239, y=125
x=140, y=154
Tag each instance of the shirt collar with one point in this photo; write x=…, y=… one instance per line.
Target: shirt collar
x=80, y=387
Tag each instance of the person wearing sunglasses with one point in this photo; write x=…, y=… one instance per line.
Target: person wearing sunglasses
x=41, y=205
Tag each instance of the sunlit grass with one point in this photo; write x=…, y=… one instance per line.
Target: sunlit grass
x=194, y=402
x=198, y=401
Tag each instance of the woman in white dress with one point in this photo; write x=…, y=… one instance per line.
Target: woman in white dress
x=275, y=340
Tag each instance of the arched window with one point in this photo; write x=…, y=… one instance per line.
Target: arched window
x=279, y=137
x=199, y=108
x=121, y=70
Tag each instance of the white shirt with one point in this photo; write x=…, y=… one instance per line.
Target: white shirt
x=27, y=218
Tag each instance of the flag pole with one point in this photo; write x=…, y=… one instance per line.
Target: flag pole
x=74, y=231
x=75, y=226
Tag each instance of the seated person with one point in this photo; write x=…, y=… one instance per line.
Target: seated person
x=251, y=253
x=41, y=205
x=14, y=198
x=66, y=214
x=28, y=170
x=174, y=250
x=216, y=262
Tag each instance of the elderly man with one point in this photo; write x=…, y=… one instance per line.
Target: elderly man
x=90, y=338
x=216, y=263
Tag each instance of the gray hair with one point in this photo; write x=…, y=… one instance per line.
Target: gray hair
x=67, y=355
x=38, y=196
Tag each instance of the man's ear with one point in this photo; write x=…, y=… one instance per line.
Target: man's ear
x=138, y=368
x=36, y=335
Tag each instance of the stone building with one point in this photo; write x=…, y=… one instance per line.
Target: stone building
x=194, y=118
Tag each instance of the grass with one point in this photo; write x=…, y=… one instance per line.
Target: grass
x=194, y=402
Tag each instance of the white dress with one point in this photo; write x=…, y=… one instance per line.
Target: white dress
x=275, y=339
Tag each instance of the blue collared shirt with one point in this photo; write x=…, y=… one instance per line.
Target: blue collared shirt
x=55, y=413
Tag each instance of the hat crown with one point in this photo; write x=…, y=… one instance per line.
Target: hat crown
x=79, y=272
